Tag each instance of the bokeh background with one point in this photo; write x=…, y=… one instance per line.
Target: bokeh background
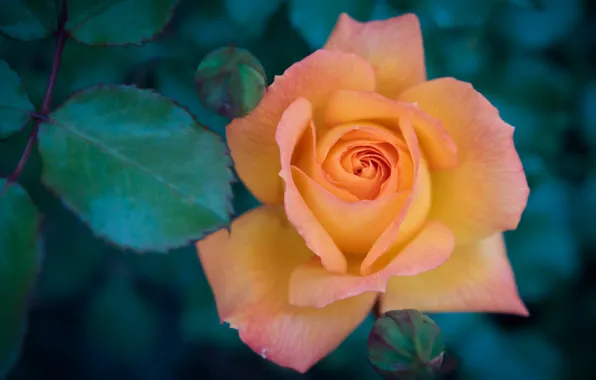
x=103, y=313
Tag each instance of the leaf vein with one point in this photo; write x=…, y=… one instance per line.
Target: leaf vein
x=126, y=160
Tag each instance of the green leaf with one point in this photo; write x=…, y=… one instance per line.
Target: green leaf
x=19, y=265
x=79, y=11
x=315, y=19
x=124, y=22
x=136, y=168
x=14, y=103
x=18, y=21
x=46, y=11
x=252, y=15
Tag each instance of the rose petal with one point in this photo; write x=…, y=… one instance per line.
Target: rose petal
x=312, y=285
x=248, y=270
x=413, y=213
x=393, y=47
x=488, y=191
x=252, y=138
x=345, y=137
x=354, y=226
x=292, y=126
x=361, y=130
x=477, y=277
x=351, y=106
x=306, y=160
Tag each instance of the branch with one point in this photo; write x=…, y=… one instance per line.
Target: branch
x=61, y=37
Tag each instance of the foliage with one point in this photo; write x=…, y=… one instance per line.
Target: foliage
x=19, y=264
x=14, y=103
x=122, y=153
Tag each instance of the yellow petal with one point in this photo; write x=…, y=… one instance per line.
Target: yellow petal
x=354, y=226
x=294, y=122
x=412, y=215
x=312, y=285
x=393, y=47
x=488, y=191
x=477, y=277
x=249, y=269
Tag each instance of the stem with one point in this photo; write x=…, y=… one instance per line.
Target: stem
x=61, y=37
x=376, y=309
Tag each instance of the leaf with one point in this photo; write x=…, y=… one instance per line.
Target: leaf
x=14, y=103
x=19, y=265
x=136, y=168
x=80, y=11
x=315, y=19
x=252, y=15
x=46, y=11
x=18, y=21
x=124, y=22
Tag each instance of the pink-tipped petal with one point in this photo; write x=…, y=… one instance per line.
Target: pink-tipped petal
x=393, y=47
x=249, y=270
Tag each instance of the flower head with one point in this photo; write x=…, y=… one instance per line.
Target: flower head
x=375, y=183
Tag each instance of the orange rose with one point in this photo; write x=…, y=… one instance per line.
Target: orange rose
x=374, y=181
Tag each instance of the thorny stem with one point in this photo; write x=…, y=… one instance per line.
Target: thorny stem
x=61, y=37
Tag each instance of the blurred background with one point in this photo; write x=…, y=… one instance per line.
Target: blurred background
x=103, y=313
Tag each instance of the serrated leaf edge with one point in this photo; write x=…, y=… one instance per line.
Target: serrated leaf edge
x=229, y=166
x=169, y=18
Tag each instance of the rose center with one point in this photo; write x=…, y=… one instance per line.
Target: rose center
x=362, y=162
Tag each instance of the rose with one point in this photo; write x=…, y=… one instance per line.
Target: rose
x=374, y=181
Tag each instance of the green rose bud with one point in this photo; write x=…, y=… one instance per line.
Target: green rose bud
x=230, y=82
x=406, y=344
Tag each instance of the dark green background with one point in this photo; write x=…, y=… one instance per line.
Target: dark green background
x=103, y=313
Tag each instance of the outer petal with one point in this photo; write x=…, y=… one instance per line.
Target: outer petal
x=248, y=270
x=476, y=277
x=252, y=138
x=311, y=285
x=292, y=126
x=488, y=191
x=393, y=47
